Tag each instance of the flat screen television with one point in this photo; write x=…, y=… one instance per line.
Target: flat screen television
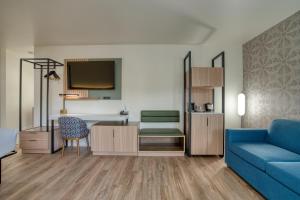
x=91, y=75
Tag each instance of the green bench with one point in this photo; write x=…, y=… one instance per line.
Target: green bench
x=160, y=116
x=152, y=140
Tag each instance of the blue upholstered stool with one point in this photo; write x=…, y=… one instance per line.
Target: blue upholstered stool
x=73, y=128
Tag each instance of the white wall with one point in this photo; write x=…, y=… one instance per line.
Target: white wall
x=152, y=77
x=12, y=90
x=10, y=70
x=2, y=87
x=233, y=79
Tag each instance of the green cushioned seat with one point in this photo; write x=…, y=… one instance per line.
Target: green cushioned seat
x=160, y=116
x=160, y=132
x=159, y=119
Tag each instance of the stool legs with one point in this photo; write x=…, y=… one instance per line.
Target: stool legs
x=87, y=142
x=77, y=142
x=63, y=148
x=78, y=148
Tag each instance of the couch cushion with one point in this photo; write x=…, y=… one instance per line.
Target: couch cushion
x=285, y=134
x=258, y=154
x=160, y=132
x=287, y=173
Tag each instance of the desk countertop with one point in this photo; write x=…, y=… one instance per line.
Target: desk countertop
x=92, y=117
x=116, y=123
x=207, y=113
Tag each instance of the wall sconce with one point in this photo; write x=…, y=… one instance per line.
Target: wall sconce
x=241, y=104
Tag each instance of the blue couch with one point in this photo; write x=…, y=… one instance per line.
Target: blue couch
x=269, y=160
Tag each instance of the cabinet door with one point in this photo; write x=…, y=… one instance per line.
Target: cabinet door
x=215, y=77
x=200, y=76
x=102, y=139
x=125, y=139
x=199, y=134
x=215, y=135
x=58, y=142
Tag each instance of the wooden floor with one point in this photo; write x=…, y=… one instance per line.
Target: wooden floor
x=111, y=177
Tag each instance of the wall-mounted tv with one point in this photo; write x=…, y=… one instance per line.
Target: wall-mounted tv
x=91, y=75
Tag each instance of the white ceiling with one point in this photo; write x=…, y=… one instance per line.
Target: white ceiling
x=76, y=22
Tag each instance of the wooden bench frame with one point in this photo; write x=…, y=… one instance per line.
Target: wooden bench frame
x=160, y=148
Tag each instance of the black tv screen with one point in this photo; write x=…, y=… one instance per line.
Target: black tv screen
x=91, y=75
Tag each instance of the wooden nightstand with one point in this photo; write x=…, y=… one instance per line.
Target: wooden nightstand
x=38, y=140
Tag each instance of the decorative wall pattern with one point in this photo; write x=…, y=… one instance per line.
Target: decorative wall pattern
x=272, y=74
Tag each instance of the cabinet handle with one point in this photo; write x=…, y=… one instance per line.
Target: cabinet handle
x=206, y=121
x=113, y=132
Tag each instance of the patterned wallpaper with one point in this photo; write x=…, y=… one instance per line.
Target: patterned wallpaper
x=272, y=74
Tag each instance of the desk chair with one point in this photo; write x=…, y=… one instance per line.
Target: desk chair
x=73, y=128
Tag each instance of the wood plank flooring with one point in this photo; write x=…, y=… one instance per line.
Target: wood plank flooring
x=43, y=177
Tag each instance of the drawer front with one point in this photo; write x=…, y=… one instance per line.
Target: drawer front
x=34, y=136
x=34, y=144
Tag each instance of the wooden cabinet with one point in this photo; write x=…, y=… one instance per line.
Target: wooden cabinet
x=207, y=134
x=38, y=140
x=102, y=139
x=112, y=139
x=125, y=139
x=200, y=76
x=207, y=77
x=215, y=77
x=199, y=135
x=215, y=134
x=205, y=131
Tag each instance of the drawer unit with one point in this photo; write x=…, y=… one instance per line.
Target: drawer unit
x=38, y=140
x=35, y=144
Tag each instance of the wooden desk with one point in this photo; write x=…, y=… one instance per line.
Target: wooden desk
x=93, y=117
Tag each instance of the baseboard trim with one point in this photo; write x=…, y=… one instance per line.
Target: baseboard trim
x=114, y=153
x=161, y=153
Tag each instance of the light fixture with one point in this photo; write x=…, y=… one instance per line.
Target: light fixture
x=69, y=95
x=241, y=104
x=73, y=96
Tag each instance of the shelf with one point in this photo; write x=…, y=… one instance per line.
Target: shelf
x=207, y=113
x=149, y=132
x=92, y=117
x=204, y=130
x=86, y=98
x=161, y=147
x=39, y=129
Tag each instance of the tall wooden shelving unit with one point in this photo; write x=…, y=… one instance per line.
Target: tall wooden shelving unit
x=204, y=130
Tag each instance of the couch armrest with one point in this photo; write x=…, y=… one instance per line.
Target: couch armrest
x=242, y=135
x=245, y=135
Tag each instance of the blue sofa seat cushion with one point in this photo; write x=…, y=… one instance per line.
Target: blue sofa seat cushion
x=258, y=154
x=287, y=173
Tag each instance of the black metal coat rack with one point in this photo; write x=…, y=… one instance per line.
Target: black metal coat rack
x=38, y=64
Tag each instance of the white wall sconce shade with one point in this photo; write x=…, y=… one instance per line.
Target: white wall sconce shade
x=241, y=104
